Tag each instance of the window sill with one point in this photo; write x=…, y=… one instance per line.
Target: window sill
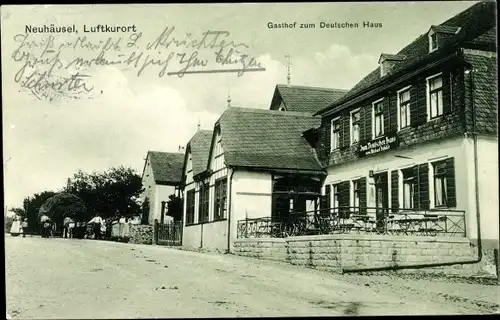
x=402, y=130
x=435, y=118
x=219, y=220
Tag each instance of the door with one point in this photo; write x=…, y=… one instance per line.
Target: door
x=381, y=200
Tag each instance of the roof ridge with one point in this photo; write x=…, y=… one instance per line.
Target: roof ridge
x=267, y=111
x=165, y=152
x=310, y=87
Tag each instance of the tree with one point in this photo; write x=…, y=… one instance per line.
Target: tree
x=175, y=204
x=19, y=211
x=31, y=207
x=64, y=205
x=108, y=192
x=7, y=223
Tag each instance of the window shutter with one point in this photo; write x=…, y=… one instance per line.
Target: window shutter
x=387, y=115
x=325, y=200
x=368, y=122
x=344, y=194
x=346, y=130
x=450, y=183
x=423, y=188
x=446, y=92
x=394, y=191
x=421, y=107
x=362, y=195
x=362, y=127
x=393, y=113
x=413, y=104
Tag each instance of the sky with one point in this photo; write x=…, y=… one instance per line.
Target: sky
x=69, y=104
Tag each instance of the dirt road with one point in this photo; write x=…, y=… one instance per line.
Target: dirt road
x=60, y=278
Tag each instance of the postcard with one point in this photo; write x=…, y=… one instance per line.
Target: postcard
x=250, y=159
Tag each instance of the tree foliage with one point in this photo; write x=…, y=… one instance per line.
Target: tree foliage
x=31, y=207
x=175, y=204
x=64, y=205
x=112, y=192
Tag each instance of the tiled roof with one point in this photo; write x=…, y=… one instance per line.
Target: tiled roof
x=485, y=93
x=306, y=99
x=445, y=29
x=268, y=139
x=473, y=22
x=166, y=166
x=200, y=147
x=489, y=36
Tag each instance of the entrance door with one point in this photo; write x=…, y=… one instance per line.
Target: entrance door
x=381, y=200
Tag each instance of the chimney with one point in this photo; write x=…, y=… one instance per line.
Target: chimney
x=388, y=62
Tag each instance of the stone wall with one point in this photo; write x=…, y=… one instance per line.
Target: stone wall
x=337, y=252
x=141, y=234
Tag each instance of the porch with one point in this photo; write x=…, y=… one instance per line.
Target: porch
x=357, y=220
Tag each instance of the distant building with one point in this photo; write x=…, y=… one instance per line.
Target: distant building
x=161, y=177
x=303, y=98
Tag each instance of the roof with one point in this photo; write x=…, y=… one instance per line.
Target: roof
x=166, y=166
x=473, y=22
x=199, y=145
x=445, y=29
x=485, y=92
x=268, y=139
x=305, y=99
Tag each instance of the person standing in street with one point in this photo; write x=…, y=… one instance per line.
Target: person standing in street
x=96, y=221
x=25, y=227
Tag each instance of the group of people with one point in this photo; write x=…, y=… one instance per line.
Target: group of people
x=19, y=226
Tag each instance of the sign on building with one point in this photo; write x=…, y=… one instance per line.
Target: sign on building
x=378, y=145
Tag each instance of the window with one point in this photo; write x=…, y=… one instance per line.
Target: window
x=190, y=207
x=440, y=192
x=220, y=199
x=408, y=188
x=335, y=137
x=203, y=203
x=378, y=119
x=435, y=96
x=355, y=193
x=433, y=42
x=355, y=119
x=335, y=198
x=404, y=108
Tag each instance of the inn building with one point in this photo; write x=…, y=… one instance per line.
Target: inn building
x=418, y=135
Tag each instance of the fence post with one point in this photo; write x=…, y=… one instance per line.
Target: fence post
x=246, y=224
x=155, y=231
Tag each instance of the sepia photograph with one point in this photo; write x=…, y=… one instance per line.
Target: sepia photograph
x=250, y=159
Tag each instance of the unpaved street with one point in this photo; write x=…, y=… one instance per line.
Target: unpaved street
x=59, y=278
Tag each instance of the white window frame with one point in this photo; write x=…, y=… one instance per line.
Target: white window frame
x=373, y=119
x=432, y=186
x=399, y=107
x=352, y=202
x=431, y=49
x=401, y=188
x=336, y=119
x=351, y=126
x=334, y=205
x=428, y=96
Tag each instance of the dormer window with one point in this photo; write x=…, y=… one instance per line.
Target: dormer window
x=388, y=62
x=433, y=42
x=439, y=35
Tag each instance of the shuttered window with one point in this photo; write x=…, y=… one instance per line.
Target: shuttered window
x=203, y=203
x=435, y=96
x=444, y=183
x=378, y=119
x=404, y=108
x=408, y=188
x=355, y=122
x=190, y=206
x=220, y=205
